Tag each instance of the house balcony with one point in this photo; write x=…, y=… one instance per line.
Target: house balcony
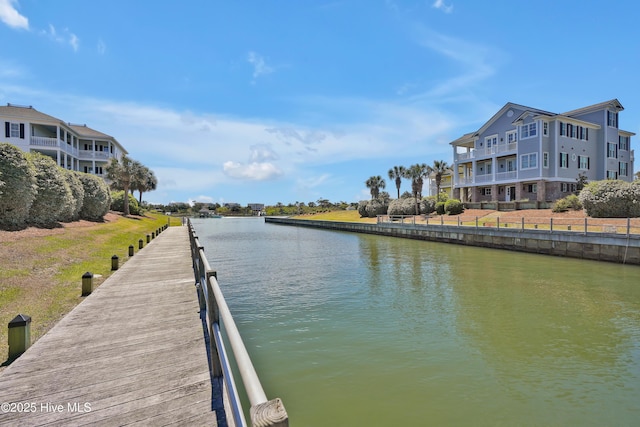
x=478, y=153
x=501, y=177
x=53, y=143
x=95, y=155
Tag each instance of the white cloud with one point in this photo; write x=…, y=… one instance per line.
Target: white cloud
x=255, y=171
x=260, y=67
x=65, y=37
x=440, y=4
x=10, y=15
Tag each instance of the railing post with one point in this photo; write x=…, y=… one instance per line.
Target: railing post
x=19, y=335
x=115, y=262
x=269, y=414
x=87, y=283
x=213, y=313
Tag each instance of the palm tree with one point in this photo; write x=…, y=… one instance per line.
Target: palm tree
x=374, y=184
x=120, y=173
x=397, y=173
x=143, y=180
x=439, y=168
x=416, y=174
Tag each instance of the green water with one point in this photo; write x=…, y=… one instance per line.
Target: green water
x=354, y=330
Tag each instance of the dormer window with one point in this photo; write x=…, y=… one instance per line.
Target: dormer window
x=612, y=119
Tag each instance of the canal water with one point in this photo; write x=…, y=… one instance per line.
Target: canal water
x=353, y=330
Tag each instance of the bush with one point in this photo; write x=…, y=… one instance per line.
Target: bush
x=97, y=198
x=53, y=197
x=611, y=199
x=430, y=204
x=453, y=207
x=440, y=208
x=376, y=207
x=18, y=189
x=571, y=202
x=117, y=203
x=77, y=190
x=362, y=208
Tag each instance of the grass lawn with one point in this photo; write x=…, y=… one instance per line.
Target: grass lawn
x=41, y=270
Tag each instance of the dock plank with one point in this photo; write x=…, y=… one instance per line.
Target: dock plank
x=133, y=351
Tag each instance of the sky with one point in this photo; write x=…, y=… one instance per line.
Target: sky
x=294, y=101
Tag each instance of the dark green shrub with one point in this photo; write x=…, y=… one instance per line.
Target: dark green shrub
x=18, y=189
x=362, y=208
x=117, y=203
x=453, y=207
x=571, y=202
x=97, y=198
x=53, y=199
x=77, y=190
x=440, y=208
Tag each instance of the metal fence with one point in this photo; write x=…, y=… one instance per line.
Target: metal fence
x=263, y=412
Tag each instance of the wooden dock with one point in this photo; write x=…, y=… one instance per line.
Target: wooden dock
x=132, y=353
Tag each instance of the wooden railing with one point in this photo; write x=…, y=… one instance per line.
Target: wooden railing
x=263, y=412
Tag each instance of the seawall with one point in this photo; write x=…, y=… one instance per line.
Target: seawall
x=593, y=246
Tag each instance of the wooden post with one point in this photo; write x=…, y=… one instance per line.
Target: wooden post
x=140, y=244
x=550, y=225
x=522, y=223
x=130, y=250
x=269, y=414
x=87, y=283
x=19, y=335
x=115, y=262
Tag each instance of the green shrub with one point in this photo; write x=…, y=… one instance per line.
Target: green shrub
x=440, y=208
x=362, y=208
x=453, y=207
x=430, y=204
x=376, y=207
x=571, y=202
x=117, y=203
x=77, y=190
x=611, y=199
x=443, y=197
x=97, y=198
x=18, y=189
x=54, y=199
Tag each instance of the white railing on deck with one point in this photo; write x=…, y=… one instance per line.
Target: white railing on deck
x=43, y=141
x=263, y=412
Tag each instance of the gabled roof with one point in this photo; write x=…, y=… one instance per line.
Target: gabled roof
x=464, y=138
x=84, y=130
x=28, y=113
x=612, y=104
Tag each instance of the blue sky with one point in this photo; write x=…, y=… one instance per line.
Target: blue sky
x=285, y=101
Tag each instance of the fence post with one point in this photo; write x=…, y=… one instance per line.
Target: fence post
x=498, y=221
x=214, y=318
x=550, y=225
x=476, y=223
x=522, y=223
x=585, y=226
x=628, y=226
x=19, y=335
x=115, y=262
x=270, y=413
x=87, y=283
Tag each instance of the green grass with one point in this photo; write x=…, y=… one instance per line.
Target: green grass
x=42, y=276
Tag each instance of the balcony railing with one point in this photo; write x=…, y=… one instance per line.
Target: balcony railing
x=89, y=154
x=489, y=151
x=43, y=141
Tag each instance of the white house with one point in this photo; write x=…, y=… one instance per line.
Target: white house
x=74, y=147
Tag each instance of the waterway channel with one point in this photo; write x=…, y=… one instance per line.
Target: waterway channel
x=353, y=330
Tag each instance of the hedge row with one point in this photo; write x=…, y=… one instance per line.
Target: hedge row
x=611, y=199
x=34, y=190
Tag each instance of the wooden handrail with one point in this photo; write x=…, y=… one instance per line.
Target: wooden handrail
x=263, y=412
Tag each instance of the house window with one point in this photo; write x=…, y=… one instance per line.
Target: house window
x=623, y=143
x=529, y=130
x=531, y=188
x=612, y=119
x=511, y=165
x=623, y=169
x=564, y=187
x=563, y=129
x=545, y=160
x=488, y=168
x=486, y=191
x=545, y=129
x=529, y=161
x=491, y=140
x=612, y=175
x=13, y=130
x=612, y=150
x=512, y=136
x=564, y=160
x=583, y=162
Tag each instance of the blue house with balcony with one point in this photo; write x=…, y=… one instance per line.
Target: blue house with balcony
x=525, y=153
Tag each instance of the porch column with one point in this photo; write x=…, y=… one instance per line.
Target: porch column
x=494, y=192
x=542, y=190
x=518, y=195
